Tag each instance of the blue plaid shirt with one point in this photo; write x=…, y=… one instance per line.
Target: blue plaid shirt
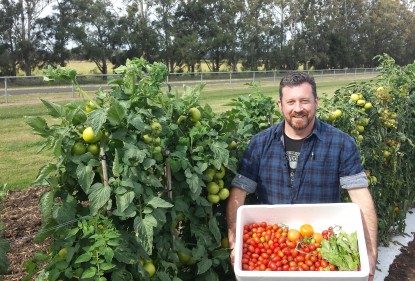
x=329, y=159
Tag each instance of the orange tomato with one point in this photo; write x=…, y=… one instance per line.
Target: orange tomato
x=317, y=236
x=293, y=235
x=306, y=230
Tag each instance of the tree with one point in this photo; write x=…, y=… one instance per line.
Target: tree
x=138, y=36
x=19, y=40
x=390, y=30
x=8, y=64
x=98, y=37
x=189, y=25
x=164, y=23
x=57, y=33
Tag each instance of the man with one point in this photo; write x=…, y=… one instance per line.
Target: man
x=303, y=160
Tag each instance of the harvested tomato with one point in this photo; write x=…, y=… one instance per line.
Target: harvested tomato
x=317, y=236
x=270, y=247
x=306, y=230
x=293, y=235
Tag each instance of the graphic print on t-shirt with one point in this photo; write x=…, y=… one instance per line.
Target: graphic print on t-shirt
x=292, y=158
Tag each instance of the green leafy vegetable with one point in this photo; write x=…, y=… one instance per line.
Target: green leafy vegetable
x=341, y=250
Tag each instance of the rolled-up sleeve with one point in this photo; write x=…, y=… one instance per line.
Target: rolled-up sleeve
x=355, y=181
x=244, y=183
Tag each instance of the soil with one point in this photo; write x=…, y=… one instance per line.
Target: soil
x=21, y=219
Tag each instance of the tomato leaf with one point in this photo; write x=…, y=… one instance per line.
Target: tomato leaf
x=133, y=155
x=44, y=172
x=99, y=196
x=220, y=154
x=204, y=265
x=55, y=110
x=157, y=202
x=194, y=182
x=38, y=125
x=144, y=231
x=85, y=175
x=121, y=275
x=46, y=203
x=124, y=200
x=84, y=257
x=97, y=118
x=116, y=113
x=214, y=229
x=116, y=166
x=66, y=211
x=89, y=273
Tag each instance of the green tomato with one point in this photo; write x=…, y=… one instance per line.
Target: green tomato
x=223, y=193
x=354, y=97
x=368, y=105
x=150, y=268
x=147, y=138
x=213, y=198
x=232, y=145
x=93, y=149
x=78, y=148
x=184, y=258
x=221, y=183
x=89, y=136
x=337, y=113
x=361, y=102
x=213, y=188
x=157, y=141
x=221, y=173
x=180, y=119
x=156, y=128
x=63, y=252
x=194, y=114
x=209, y=174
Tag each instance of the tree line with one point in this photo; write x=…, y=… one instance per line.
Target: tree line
x=266, y=34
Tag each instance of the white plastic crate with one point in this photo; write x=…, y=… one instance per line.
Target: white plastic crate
x=320, y=216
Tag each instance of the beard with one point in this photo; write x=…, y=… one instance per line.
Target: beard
x=300, y=120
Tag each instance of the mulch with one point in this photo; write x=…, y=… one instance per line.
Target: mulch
x=21, y=219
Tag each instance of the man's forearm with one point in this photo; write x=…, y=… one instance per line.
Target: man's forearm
x=235, y=200
x=363, y=198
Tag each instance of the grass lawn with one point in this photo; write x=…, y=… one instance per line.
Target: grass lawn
x=20, y=162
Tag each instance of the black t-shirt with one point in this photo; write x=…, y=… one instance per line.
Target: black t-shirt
x=292, y=153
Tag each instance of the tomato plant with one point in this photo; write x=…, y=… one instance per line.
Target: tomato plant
x=135, y=168
x=379, y=115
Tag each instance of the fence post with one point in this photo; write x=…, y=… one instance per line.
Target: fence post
x=6, y=97
x=73, y=90
x=230, y=77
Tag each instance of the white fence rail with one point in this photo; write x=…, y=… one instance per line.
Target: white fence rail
x=20, y=85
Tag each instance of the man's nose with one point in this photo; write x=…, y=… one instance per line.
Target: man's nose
x=298, y=106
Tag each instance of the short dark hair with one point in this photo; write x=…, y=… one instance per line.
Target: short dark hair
x=296, y=78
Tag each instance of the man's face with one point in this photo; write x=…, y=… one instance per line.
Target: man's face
x=299, y=107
